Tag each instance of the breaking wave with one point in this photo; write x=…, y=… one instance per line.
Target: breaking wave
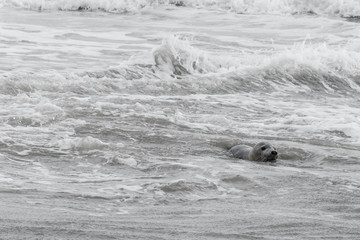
x=180, y=68
x=112, y=6
x=315, y=67
x=348, y=8
x=182, y=65
x=176, y=55
x=304, y=67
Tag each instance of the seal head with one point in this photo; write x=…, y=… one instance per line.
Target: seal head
x=263, y=152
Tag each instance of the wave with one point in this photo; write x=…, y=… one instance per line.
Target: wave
x=79, y=144
x=176, y=55
x=348, y=8
x=314, y=67
x=111, y=6
x=178, y=66
x=306, y=67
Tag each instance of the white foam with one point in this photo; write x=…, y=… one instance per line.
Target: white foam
x=333, y=120
x=346, y=8
x=123, y=160
x=301, y=67
x=177, y=56
x=79, y=144
x=74, y=5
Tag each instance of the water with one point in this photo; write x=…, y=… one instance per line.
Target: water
x=115, y=119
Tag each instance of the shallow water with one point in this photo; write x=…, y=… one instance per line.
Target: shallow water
x=115, y=124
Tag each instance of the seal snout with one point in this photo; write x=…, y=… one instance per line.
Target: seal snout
x=274, y=153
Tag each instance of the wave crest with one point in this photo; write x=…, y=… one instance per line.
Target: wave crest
x=348, y=8
x=111, y=6
x=301, y=68
x=179, y=57
x=318, y=67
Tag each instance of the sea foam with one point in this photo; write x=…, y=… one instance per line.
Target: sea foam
x=311, y=66
x=349, y=8
x=178, y=56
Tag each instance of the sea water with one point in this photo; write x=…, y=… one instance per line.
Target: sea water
x=116, y=117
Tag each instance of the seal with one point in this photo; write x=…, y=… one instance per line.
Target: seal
x=261, y=152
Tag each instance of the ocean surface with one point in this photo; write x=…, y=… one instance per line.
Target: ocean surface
x=116, y=117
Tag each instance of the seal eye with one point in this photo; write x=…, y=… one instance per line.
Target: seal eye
x=263, y=148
